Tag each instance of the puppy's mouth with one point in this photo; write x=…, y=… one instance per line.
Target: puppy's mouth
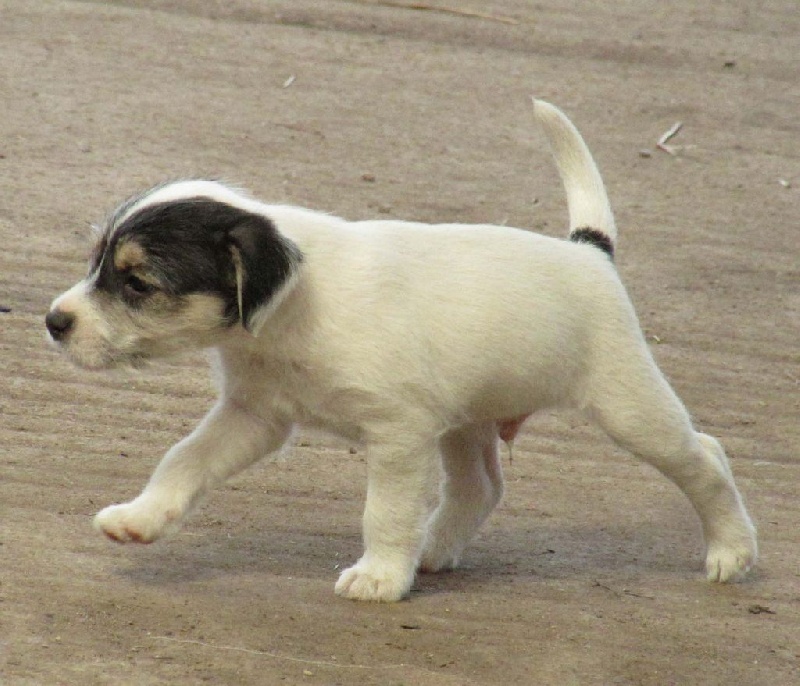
x=100, y=359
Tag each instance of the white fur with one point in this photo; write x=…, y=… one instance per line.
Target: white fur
x=91, y=339
x=588, y=204
x=418, y=340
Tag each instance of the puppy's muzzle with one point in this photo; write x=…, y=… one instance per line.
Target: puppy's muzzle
x=59, y=324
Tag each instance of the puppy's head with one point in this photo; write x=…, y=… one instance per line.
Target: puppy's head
x=174, y=269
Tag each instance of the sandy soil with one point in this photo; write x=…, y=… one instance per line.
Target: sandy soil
x=590, y=570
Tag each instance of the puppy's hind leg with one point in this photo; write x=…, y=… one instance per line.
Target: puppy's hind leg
x=639, y=410
x=472, y=487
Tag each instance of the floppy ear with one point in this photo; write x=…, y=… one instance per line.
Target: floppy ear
x=265, y=264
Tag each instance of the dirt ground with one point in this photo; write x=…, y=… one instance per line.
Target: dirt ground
x=590, y=571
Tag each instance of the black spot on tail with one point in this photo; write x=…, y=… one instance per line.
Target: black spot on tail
x=597, y=238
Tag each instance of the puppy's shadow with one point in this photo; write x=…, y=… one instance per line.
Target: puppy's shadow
x=198, y=557
x=542, y=553
x=565, y=550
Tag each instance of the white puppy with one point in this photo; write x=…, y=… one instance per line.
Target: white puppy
x=427, y=343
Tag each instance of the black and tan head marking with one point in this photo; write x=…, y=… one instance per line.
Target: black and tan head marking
x=196, y=245
x=129, y=255
x=173, y=270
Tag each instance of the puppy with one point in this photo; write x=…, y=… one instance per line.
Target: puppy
x=426, y=343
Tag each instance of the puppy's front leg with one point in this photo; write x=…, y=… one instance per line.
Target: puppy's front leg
x=394, y=521
x=227, y=440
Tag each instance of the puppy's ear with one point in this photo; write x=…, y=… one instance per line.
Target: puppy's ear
x=265, y=265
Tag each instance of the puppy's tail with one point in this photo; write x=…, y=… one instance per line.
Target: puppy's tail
x=590, y=216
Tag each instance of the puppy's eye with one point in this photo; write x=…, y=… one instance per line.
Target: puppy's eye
x=136, y=287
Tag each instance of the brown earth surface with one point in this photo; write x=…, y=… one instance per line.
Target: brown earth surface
x=590, y=571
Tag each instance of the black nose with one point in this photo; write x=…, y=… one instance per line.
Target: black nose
x=59, y=323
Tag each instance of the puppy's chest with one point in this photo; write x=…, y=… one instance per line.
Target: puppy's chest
x=314, y=397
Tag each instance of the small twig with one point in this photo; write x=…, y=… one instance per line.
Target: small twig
x=313, y=132
x=277, y=656
x=624, y=591
x=760, y=610
x=637, y=595
x=667, y=137
x=443, y=10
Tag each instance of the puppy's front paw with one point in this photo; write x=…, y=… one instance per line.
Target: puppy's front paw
x=375, y=580
x=139, y=521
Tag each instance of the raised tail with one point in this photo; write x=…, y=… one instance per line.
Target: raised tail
x=590, y=216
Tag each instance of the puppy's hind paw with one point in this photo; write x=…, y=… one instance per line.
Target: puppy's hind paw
x=375, y=581
x=730, y=563
x=434, y=560
x=135, y=522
